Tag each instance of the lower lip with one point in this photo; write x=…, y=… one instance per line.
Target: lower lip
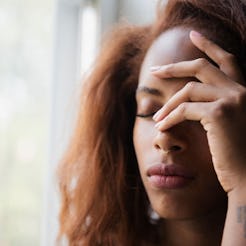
x=169, y=182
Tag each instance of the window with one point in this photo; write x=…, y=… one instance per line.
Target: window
x=45, y=47
x=25, y=48
x=74, y=48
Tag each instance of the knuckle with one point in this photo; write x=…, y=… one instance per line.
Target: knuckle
x=234, y=96
x=229, y=60
x=229, y=57
x=190, y=85
x=182, y=108
x=169, y=69
x=228, y=107
x=238, y=96
x=201, y=63
x=188, y=90
x=221, y=110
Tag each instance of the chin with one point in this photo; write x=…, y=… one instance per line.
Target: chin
x=171, y=208
x=173, y=214
x=176, y=215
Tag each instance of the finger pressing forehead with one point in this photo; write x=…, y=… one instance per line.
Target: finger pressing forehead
x=199, y=68
x=226, y=61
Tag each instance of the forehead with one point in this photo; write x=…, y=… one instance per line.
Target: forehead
x=172, y=46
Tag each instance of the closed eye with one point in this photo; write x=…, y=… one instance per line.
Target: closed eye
x=146, y=115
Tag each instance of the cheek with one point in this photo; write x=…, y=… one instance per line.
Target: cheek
x=139, y=142
x=143, y=133
x=137, y=138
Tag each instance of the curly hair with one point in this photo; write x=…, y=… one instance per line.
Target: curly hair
x=222, y=21
x=99, y=180
x=103, y=201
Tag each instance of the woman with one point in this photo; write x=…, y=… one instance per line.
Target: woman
x=190, y=155
x=198, y=147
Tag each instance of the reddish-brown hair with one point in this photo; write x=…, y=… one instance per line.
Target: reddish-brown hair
x=99, y=180
x=222, y=21
x=102, y=196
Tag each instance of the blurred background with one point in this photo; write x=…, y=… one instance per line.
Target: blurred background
x=45, y=47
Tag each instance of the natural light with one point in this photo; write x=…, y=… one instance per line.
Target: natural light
x=46, y=47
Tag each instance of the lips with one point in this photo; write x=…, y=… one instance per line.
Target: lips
x=169, y=176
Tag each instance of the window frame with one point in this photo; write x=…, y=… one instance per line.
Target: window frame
x=66, y=73
x=65, y=76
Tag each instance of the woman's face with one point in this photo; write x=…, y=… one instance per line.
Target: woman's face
x=175, y=165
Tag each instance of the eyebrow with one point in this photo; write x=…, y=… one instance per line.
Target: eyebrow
x=148, y=90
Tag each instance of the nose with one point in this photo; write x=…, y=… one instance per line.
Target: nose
x=167, y=142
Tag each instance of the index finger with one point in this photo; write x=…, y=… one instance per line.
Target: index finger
x=225, y=60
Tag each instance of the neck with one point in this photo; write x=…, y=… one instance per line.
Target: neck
x=206, y=230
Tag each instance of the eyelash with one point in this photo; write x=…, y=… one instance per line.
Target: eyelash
x=146, y=115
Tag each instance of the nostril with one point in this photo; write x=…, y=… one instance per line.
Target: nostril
x=175, y=148
x=167, y=143
x=157, y=146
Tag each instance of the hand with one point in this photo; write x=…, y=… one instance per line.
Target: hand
x=218, y=102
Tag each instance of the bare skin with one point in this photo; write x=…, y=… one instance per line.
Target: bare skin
x=202, y=128
x=219, y=104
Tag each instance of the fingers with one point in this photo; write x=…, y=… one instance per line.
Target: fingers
x=195, y=111
x=191, y=92
x=225, y=60
x=199, y=68
x=212, y=50
x=194, y=101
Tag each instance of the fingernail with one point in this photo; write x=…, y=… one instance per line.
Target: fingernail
x=155, y=68
x=157, y=125
x=155, y=117
x=196, y=34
